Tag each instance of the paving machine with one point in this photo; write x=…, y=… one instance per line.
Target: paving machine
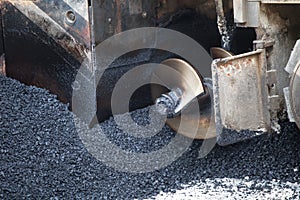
x=251, y=82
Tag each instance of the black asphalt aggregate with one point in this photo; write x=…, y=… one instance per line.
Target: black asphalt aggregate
x=43, y=157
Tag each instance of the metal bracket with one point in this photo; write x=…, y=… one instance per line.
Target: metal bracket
x=271, y=77
x=274, y=102
x=263, y=44
x=246, y=12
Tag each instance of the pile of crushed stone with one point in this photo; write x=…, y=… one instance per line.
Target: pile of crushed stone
x=42, y=156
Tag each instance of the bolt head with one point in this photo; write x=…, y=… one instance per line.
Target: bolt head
x=144, y=14
x=70, y=17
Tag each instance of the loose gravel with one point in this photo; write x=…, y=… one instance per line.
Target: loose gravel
x=42, y=156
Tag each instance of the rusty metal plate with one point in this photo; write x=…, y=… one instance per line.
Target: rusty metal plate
x=240, y=97
x=295, y=94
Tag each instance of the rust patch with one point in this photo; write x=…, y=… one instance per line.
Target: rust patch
x=232, y=68
x=83, y=34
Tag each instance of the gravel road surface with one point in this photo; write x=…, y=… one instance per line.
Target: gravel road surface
x=43, y=157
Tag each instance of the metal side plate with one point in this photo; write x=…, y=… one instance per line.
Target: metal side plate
x=240, y=97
